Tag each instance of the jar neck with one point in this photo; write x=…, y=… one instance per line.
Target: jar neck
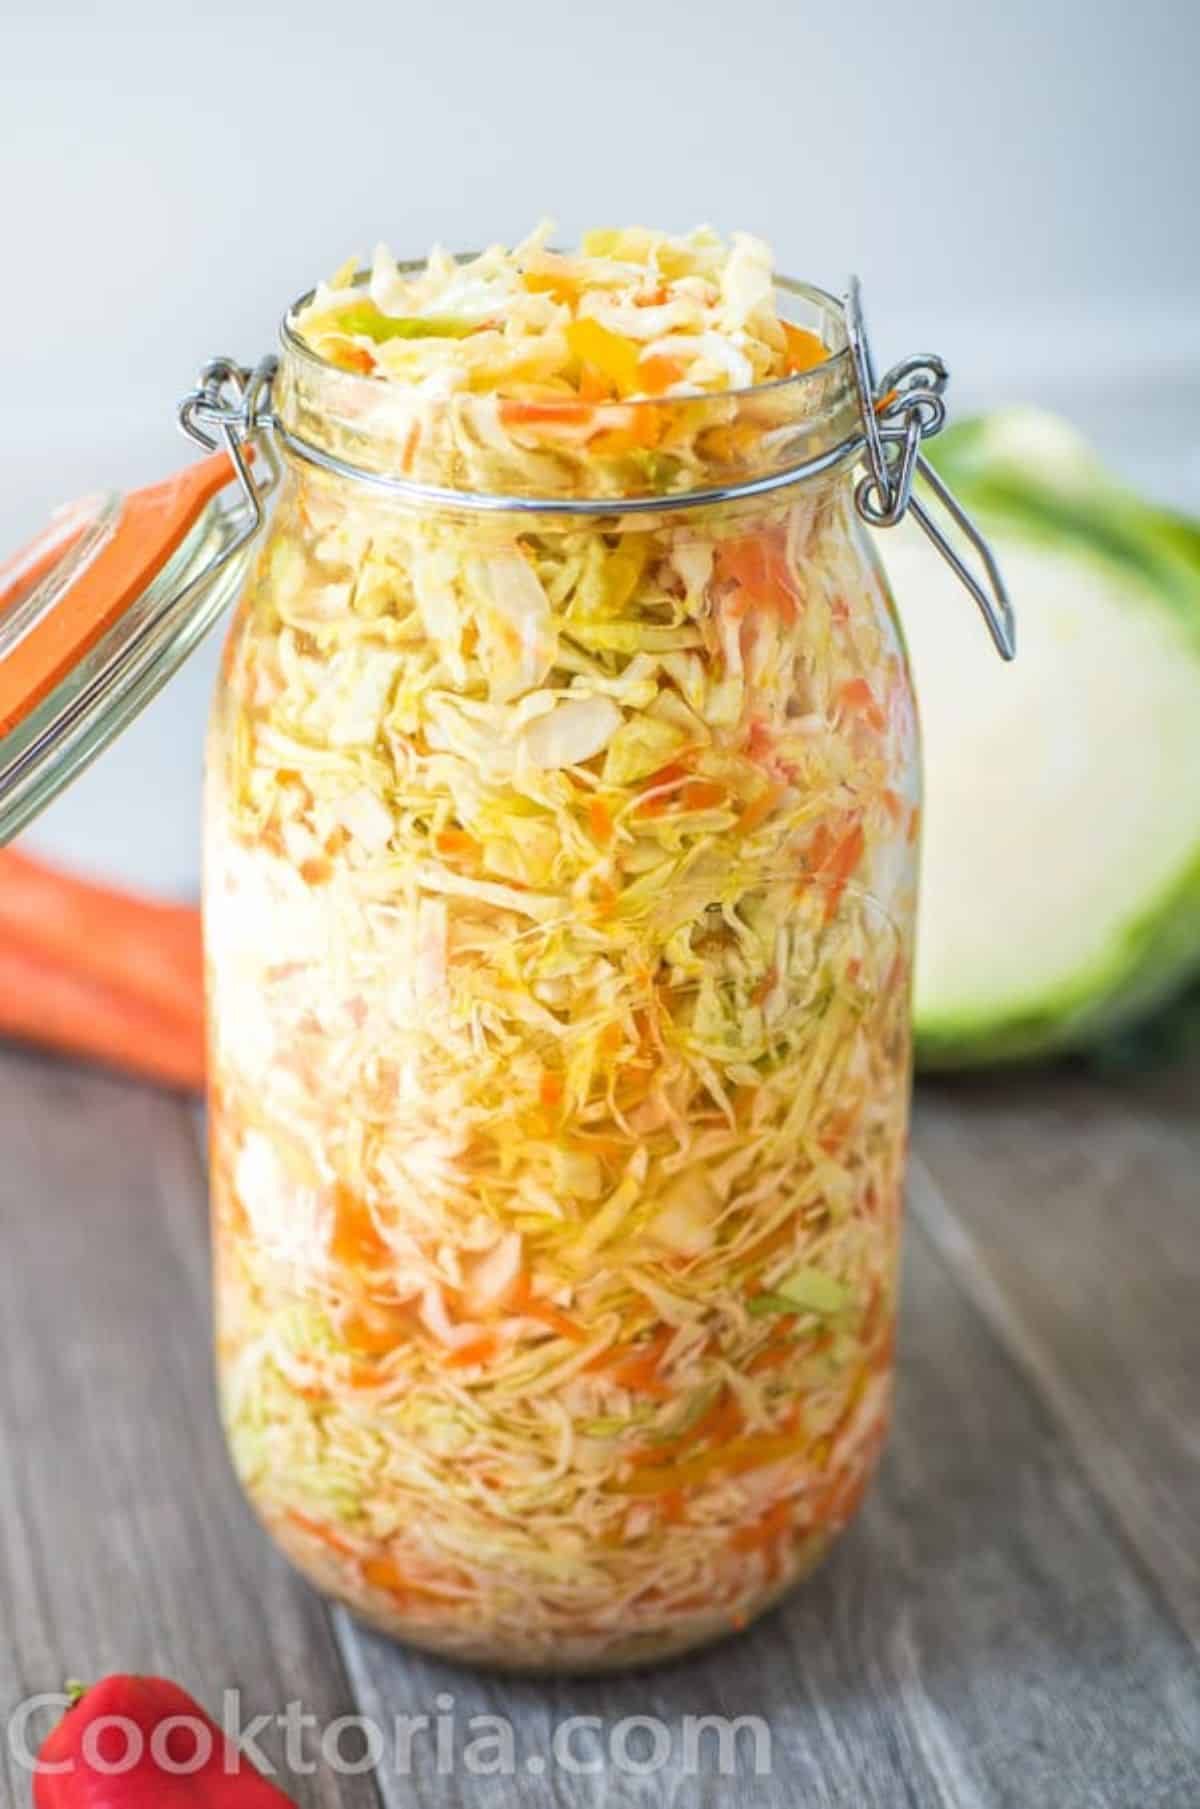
x=670, y=449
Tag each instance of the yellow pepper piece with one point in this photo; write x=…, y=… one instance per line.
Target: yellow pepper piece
x=624, y=569
x=601, y=242
x=733, y=1459
x=632, y=244
x=562, y=285
x=609, y=352
x=804, y=350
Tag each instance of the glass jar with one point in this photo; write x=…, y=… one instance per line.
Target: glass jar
x=561, y=808
x=559, y=908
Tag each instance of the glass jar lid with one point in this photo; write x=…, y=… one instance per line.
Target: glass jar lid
x=98, y=611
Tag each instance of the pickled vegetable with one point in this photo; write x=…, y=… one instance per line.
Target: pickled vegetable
x=559, y=902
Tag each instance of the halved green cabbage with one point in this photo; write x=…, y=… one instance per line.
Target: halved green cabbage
x=1061, y=859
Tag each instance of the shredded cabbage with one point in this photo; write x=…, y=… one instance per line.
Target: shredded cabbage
x=631, y=314
x=558, y=906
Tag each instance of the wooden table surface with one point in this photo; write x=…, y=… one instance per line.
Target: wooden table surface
x=1014, y=1619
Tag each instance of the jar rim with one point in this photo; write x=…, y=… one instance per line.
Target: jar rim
x=825, y=303
x=645, y=454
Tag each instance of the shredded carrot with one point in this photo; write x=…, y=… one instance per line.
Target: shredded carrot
x=562, y=1323
x=385, y=1574
x=763, y=1532
x=377, y=1330
x=844, y=862
x=721, y=1421
x=647, y=425
x=600, y=821
x=760, y=808
x=774, y=1240
x=640, y=1370
x=838, y=1126
x=594, y=386
x=619, y=1355
x=519, y=1294
x=565, y=413
x=468, y=1356
x=778, y=1352
x=833, y=860
x=356, y=358
x=356, y=1243
x=606, y=895
x=657, y=373
x=856, y=697
x=757, y=565
x=819, y=849
x=326, y=1534
x=408, y=451
x=550, y=1089
x=745, y=562
x=643, y=1379
x=762, y=991
x=456, y=842
x=841, y=1498
x=703, y=794
x=760, y=740
x=643, y=430
x=655, y=794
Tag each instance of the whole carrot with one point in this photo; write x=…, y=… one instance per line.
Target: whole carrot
x=94, y=971
x=148, y=949
x=61, y=1008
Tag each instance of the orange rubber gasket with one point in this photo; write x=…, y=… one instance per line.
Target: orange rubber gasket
x=153, y=522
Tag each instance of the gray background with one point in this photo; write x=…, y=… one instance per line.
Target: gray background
x=1015, y=182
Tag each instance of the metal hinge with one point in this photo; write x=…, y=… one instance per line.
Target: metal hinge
x=899, y=411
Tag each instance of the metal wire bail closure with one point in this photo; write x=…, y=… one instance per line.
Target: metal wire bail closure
x=899, y=411
x=231, y=407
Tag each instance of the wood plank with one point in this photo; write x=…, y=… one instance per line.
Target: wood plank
x=124, y=1543
x=980, y=1641
x=1069, y=1208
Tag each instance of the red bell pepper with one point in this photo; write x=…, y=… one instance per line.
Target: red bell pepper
x=143, y=1743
